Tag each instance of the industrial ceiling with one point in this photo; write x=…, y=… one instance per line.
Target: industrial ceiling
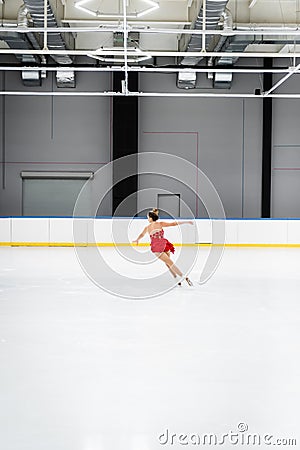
x=183, y=36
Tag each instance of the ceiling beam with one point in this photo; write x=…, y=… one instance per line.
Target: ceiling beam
x=144, y=94
x=104, y=52
x=89, y=68
x=283, y=80
x=130, y=22
x=279, y=31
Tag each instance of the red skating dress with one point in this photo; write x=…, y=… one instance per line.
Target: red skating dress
x=160, y=244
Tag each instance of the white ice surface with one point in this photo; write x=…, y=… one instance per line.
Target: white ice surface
x=81, y=369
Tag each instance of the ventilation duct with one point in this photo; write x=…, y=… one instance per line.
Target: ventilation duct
x=30, y=78
x=234, y=44
x=18, y=41
x=65, y=79
x=223, y=80
x=55, y=41
x=214, y=11
x=227, y=25
x=187, y=80
x=22, y=17
x=23, y=22
x=239, y=44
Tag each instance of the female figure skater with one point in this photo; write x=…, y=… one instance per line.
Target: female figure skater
x=160, y=246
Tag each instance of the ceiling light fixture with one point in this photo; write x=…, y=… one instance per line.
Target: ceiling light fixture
x=152, y=7
x=141, y=56
x=252, y=3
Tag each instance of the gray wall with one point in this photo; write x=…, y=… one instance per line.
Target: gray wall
x=52, y=134
x=286, y=152
x=221, y=136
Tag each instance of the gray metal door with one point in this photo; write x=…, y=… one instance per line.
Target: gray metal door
x=51, y=197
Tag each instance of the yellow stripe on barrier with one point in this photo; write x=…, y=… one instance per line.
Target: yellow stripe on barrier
x=112, y=244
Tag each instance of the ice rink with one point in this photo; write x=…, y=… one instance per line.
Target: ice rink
x=82, y=369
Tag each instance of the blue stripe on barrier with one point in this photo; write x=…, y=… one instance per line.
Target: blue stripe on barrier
x=143, y=218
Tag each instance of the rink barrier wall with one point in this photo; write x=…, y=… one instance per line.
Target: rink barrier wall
x=58, y=232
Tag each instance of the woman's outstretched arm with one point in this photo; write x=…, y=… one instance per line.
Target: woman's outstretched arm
x=140, y=236
x=175, y=224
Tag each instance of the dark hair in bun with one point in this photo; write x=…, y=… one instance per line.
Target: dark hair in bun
x=153, y=214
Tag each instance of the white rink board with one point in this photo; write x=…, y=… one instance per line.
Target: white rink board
x=262, y=232
x=203, y=231
x=29, y=230
x=293, y=231
x=61, y=230
x=5, y=232
x=231, y=232
x=100, y=230
x=125, y=230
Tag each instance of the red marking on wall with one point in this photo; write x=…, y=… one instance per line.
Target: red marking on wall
x=170, y=132
x=111, y=120
x=286, y=168
x=57, y=162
